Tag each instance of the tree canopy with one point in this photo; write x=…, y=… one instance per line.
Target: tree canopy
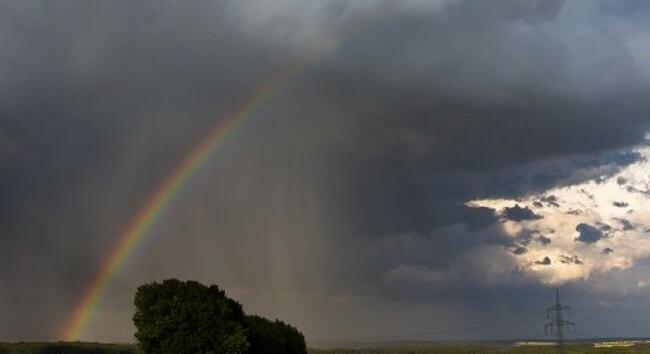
x=176, y=317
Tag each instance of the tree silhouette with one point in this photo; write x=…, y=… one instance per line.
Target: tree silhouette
x=266, y=337
x=175, y=317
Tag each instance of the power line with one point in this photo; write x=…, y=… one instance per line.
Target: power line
x=559, y=325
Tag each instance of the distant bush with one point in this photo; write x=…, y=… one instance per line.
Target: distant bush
x=175, y=317
x=266, y=337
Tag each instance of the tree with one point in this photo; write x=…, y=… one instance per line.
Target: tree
x=175, y=317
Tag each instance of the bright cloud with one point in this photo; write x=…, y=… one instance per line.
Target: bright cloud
x=572, y=232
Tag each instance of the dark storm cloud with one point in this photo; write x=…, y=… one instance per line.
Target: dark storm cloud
x=99, y=101
x=477, y=126
x=357, y=170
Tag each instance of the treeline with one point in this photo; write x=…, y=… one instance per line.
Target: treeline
x=176, y=317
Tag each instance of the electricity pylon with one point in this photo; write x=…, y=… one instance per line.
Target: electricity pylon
x=558, y=325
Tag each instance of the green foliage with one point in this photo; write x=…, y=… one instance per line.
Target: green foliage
x=237, y=343
x=175, y=317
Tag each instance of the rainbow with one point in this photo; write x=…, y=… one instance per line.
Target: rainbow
x=158, y=201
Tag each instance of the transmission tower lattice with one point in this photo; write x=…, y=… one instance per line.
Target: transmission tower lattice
x=558, y=326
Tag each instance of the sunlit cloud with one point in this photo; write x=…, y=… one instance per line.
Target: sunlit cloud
x=573, y=232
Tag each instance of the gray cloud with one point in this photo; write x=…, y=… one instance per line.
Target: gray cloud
x=518, y=213
x=517, y=251
x=543, y=240
x=573, y=259
x=588, y=233
x=550, y=200
x=627, y=225
x=620, y=204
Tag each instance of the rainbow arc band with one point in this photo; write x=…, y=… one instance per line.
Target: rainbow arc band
x=158, y=201
x=162, y=196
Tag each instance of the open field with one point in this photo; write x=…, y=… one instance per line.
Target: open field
x=494, y=348
x=415, y=348
x=66, y=348
x=490, y=349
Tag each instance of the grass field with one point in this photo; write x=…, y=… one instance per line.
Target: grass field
x=582, y=348
x=455, y=348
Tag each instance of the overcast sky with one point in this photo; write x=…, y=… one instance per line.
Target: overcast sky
x=444, y=164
